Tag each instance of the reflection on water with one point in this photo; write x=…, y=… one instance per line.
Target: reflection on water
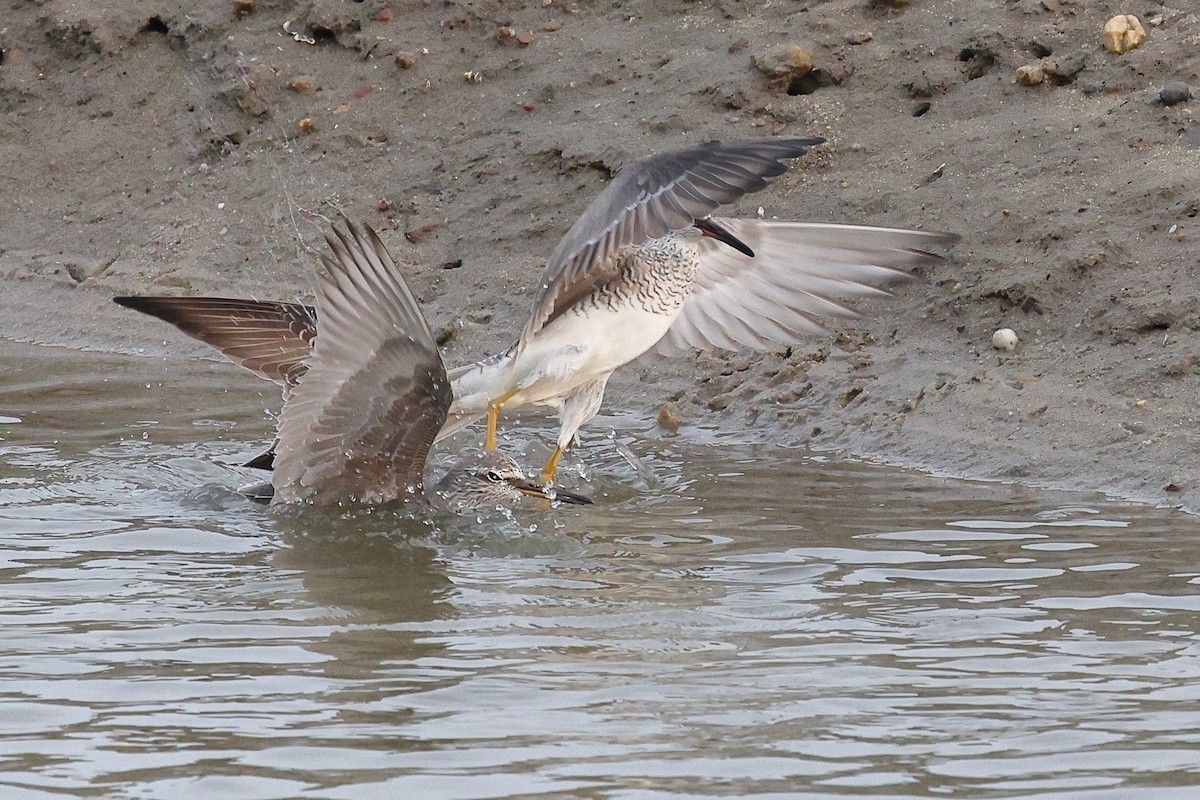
x=727, y=621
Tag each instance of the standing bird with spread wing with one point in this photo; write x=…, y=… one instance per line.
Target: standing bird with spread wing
x=646, y=265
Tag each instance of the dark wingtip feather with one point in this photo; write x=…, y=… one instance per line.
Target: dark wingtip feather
x=134, y=302
x=161, y=307
x=264, y=461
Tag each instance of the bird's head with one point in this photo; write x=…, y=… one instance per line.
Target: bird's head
x=491, y=478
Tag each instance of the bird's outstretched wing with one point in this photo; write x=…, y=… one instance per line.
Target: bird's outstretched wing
x=359, y=424
x=800, y=275
x=271, y=340
x=650, y=199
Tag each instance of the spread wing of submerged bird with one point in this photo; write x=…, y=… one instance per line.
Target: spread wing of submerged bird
x=364, y=400
x=646, y=263
x=359, y=423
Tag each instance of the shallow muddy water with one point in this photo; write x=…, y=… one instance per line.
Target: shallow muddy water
x=728, y=620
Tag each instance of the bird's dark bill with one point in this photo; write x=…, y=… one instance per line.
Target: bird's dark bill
x=572, y=499
x=531, y=489
x=715, y=231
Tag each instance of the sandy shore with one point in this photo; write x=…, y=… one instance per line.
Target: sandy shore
x=157, y=148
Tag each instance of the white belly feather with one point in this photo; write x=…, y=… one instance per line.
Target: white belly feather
x=572, y=350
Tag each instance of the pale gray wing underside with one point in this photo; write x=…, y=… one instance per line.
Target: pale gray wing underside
x=359, y=425
x=801, y=275
x=650, y=199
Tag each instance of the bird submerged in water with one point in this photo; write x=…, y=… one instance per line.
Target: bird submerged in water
x=646, y=265
x=363, y=401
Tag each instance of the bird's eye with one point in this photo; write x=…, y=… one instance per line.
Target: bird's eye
x=492, y=476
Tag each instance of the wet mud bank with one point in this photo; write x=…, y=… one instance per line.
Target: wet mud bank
x=161, y=148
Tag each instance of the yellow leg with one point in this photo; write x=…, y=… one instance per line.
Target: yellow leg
x=552, y=465
x=493, y=417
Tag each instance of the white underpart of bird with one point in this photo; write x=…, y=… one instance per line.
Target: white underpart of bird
x=646, y=265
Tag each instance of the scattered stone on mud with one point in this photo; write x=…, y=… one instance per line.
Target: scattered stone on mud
x=787, y=61
x=1175, y=93
x=302, y=83
x=1099, y=182
x=668, y=417
x=1031, y=74
x=242, y=8
x=417, y=234
x=506, y=34
x=1005, y=339
x=1123, y=33
x=1059, y=70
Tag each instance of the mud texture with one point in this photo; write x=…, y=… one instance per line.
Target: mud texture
x=202, y=148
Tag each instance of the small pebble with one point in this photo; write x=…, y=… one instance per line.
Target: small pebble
x=1005, y=339
x=406, y=59
x=306, y=125
x=302, y=83
x=1123, y=33
x=242, y=7
x=785, y=61
x=668, y=418
x=1175, y=93
x=1031, y=74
